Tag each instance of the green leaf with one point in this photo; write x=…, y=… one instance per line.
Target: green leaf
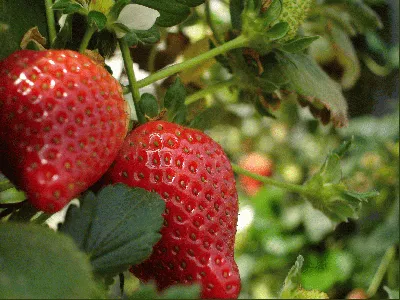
x=298, y=44
x=334, y=266
x=392, y=294
x=117, y=228
x=117, y=8
x=135, y=37
x=236, y=8
x=68, y=7
x=272, y=13
x=38, y=263
x=364, y=18
x=16, y=18
x=64, y=35
x=149, y=291
x=172, y=12
x=315, y=88
x=278, y=31
x=98, y=19
x=292, y=286
x=327, y=192
x=212, y=116
x=174, y=100
x=149, y=105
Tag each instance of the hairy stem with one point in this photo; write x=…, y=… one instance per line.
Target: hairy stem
x=133, y=84
x=86, y=38
x=287, y=186
x=380, y=273
x=211, y=89
x=239, y=42
x=51, y=23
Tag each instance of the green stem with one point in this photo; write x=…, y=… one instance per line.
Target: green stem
x=380, y=273
x=51, y=23
x=239, y=42
x=211, y=23
x=86, y=38
x=288, y=186
x=209, y=90
x=133, y=84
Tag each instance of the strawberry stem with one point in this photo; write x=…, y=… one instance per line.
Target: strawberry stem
x=380, y=273
x=239, y=42
x=267, y=180
x=86, y=38
x=133, y=84
x=51, y=24
x=211, y=89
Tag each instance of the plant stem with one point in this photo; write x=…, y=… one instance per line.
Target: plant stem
x=239, y=42
x=380, y=273
x=133, y=84
x=287, y=186
x=86, y=38
x=209, y=90
x=51, y=23
x=211, y=23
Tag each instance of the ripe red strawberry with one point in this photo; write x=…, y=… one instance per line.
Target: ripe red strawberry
x=256, y=163
x=193, y=175
x=63, y=119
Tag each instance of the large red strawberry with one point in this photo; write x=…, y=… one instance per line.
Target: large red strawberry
x=63, y=119
x=194, y=176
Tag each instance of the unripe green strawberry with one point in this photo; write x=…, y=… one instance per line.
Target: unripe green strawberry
x=294, y=12
x=194, y=176
x=63, y=119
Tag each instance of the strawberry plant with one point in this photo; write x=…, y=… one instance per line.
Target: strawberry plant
x=194, y=149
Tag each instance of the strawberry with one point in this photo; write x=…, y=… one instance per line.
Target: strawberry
x=193, y=175
x=256, y=163
x=357, y=294
x=63, y=119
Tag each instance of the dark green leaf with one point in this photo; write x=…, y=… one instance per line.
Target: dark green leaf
x=211, y=117
x=172, y=12
x=37, y=263
x=135, y=37
x=117, y=8
x=180, y=116
x=16, y=18
x=149, y=105
x=98, y=19
x=298, y=44
x=174, y=100
x=364, y=18
x=64, y=35
x=278, y=31
x=315, y=87
x=118, y=228
x=236, y=8
x=149, y=291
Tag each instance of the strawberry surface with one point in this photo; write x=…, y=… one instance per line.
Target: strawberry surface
x=193, y=175
x=63, y=119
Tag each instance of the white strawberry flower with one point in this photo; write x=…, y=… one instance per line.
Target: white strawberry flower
x=136, y=17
